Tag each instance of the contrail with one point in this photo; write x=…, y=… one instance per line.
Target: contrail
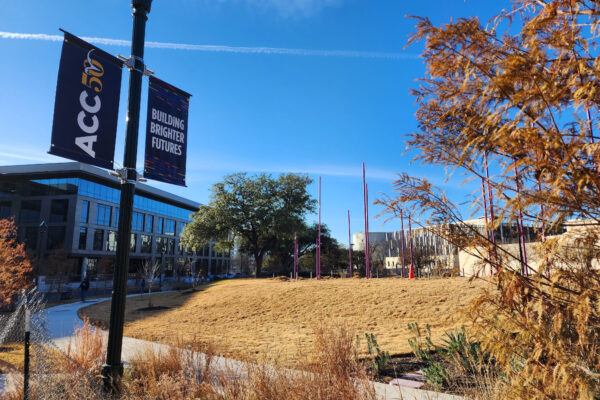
x=218, y=48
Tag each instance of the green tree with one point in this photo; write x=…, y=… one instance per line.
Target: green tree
x=282, y=255
x=258, y=211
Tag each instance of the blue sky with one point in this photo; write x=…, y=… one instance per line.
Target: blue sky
x=331, y=90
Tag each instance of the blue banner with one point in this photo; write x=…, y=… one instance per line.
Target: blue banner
x=166, y=133
x=87, y=104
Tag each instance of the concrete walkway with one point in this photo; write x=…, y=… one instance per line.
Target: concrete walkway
x=63, y=320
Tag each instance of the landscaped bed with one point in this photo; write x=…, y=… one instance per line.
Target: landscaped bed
x=269, y=319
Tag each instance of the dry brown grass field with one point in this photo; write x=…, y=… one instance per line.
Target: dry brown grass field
x=276, y=318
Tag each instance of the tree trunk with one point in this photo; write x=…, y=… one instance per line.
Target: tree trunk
x=258, y=259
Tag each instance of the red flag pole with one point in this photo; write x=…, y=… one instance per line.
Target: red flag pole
x=349, y=248
x=402, y=239
x=412, y=271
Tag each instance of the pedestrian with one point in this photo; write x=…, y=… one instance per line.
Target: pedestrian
x=84, y=286
x=143, y=285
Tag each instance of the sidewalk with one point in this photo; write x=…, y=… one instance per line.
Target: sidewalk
x=63, y=320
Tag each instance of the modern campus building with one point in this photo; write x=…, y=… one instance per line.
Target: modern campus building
x=71, y=209
x=433, y=253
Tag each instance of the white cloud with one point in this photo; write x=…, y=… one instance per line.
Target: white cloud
x=17, y=156
x=218, y=48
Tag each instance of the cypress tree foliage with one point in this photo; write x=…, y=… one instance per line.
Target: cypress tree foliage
x=520, y=95
x=15, y=266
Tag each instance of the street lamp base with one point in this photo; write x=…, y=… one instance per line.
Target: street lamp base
x=111, y=377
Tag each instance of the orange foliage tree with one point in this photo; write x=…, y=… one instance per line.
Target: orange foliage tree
x=518, y=99
x=15, y=266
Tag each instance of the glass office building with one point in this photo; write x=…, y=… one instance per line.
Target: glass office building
x=72, y=209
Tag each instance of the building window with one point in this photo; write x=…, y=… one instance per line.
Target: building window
x=169, y=267
x=181, y=226
x=58, y=210
x=171, y=248
x=146, y=245
x=161, y=245
x=103, y=215
x=132, y=240
x=5, y=207
x=98, y=239
x=92, y=267
x=137, y=221
x=149, y=223
x=56, y=237
x=31, y=237
x=169, y=227
x=30, y=211
x=82, y=237
x=160, y=226
x=111, y=241
x=181, y=268
x=85, y=211
x=115, y=220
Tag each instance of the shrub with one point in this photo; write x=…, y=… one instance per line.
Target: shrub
x=379, y=358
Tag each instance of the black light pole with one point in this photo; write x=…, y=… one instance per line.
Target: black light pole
x=26, y=351
x=113, y=369
x=43, y=227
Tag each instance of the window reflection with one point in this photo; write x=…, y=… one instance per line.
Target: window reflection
x=111, y=241
x=58, y=210
x=39, y=187
x=85, y=211
x=103, y=215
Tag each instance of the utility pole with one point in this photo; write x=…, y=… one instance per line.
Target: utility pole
x=112, y=370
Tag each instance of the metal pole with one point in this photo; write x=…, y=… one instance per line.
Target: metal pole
x=412, y=271
x=317, y=258
x=487, y=231
x=368, y=247
x=26, y=355
x=349, y=248
x=366, y=227
x=113, y=369
x=491, y=199
x=319, y=239
x=296, y=255
x=524, y=267
x=543, y=228
x=402, y=238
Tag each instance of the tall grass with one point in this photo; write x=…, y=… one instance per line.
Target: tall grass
x=333, y=371
x=73, y=375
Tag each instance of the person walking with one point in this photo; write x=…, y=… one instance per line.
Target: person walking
x=143, y=285
x=84, y=286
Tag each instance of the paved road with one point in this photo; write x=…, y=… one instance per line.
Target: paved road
x=63, y=320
